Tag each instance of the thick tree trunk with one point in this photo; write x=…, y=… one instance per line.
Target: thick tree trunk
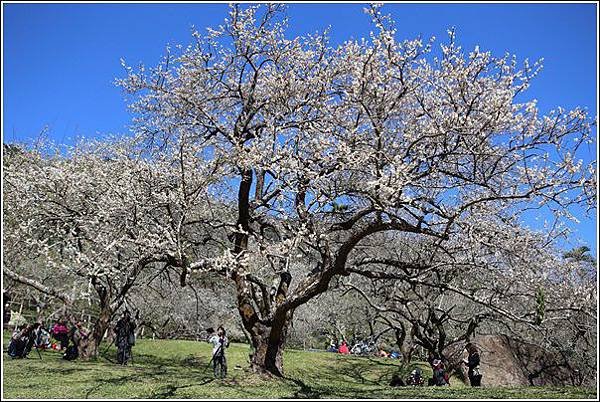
x=268, y=344
x=90, y=347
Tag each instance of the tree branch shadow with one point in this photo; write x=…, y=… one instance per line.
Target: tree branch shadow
x=171, y=389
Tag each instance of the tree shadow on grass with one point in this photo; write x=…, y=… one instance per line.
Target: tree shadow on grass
x=304, y=391
x=145, y=369
x=101, y=383
x=156, y=374
x=142, y=359
x=362, y=372
x=169, y=390
x=344, y=377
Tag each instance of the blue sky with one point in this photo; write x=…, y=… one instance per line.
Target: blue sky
x=60, y=60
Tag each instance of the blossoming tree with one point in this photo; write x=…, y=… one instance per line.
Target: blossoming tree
x=83, y=224
x=274, y=162
x=323, y=147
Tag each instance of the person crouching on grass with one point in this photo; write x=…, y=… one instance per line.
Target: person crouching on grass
x=220, y=342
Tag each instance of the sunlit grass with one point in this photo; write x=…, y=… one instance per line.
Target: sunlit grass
x=179, y=369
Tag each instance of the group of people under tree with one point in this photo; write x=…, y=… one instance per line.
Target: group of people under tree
x=73, y=339
x=27, y=336
x=440, y=375
x=70, y=338
x=342, y=348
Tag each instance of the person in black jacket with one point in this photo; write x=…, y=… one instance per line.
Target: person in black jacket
x=124, y=337
x=472, y=362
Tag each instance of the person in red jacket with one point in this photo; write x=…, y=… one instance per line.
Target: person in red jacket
x=344, y=348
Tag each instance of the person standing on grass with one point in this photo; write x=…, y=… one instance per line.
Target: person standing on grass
x=219, y=342
x=125, y=337
x=472, y=362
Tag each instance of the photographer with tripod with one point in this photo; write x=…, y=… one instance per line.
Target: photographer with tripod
x=22, y=341
x=220, y=342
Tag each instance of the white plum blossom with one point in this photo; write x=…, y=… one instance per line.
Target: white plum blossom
x=251, y=149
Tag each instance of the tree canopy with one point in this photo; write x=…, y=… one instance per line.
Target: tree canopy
x=285, y=165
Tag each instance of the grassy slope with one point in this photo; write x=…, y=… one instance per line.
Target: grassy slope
x=177, y=369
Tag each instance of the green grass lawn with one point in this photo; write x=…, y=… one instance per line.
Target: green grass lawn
x=177, y=369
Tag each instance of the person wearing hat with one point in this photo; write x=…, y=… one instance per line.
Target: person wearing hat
x=440, y=377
